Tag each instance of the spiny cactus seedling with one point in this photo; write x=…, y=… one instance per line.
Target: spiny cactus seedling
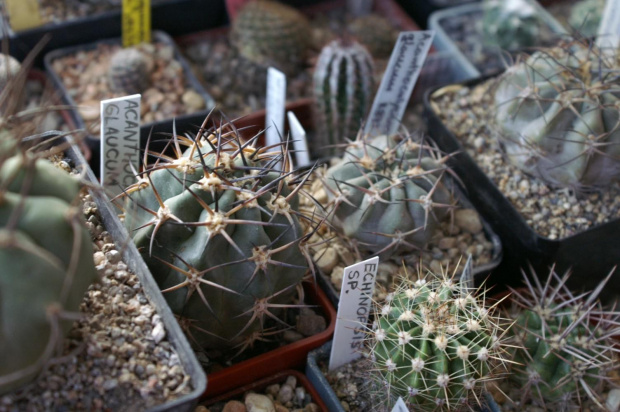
x=565, y=343
x=129, y=71
x=343, y=89
x=269, y=33
x=510, y=24
x=585, y=16
x=558, y=117
x=376, y=33
x=219, y=228
x=388, y=193
x=435, y=343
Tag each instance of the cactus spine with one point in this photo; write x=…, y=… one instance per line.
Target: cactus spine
x=585, y=17
x=129, y=71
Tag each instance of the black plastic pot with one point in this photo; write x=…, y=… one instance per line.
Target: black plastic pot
x=172, y=16
x=183, y=122
x=420, y=10
x=591, y=254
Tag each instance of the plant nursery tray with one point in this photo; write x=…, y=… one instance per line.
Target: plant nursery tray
x=183, y=122
x=590, y=254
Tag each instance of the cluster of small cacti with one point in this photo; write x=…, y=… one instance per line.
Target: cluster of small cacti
x=269, y=33
x=585, y=17
x=388, y=193
x=510, y=24
x=557, y=115
x=343, y=89
x=219, y=228
x=129, y=71
x=436, y=345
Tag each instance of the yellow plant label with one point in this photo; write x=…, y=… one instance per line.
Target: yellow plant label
x=23, y=14
x=136, y=22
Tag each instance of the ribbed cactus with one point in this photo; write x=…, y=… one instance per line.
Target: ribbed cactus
x=343, y=91
x=510, y=24
x=376, y=33
x=218, y=226
x=271, y=34
x=557, y=115
x=435, y=344
x=129, y=71
x=388, y=193
x=565, y=343
x=585, y=16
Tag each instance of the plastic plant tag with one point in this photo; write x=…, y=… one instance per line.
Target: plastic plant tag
x=276, y=98
x=120, y=142
x=136, y=23
x=300, y=143
x=354, y=307
x=398, y=81
x=23, y=14
x=608, y=36
x=400, y=406
x=467, y=276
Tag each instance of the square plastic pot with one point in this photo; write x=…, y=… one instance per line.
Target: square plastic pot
x=589, y=254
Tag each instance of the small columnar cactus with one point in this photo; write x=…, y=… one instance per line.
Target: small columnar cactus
x=129, y=71
x=271, y=34
x=557, y=115
x=565, y=343
x=219, y=228
x=585, y=16
x=388, y=194
x=343, y=90
x=376, y=33
x=510, y=24
x=435, y=344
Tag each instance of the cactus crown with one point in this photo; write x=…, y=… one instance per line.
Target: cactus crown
x=565, y=343
x=510, y=24
x=558, y=117
x=129, y=71
x=435, y=343
x=219, y=227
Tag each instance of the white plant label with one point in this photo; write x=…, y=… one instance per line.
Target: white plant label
x=276, y=99
x=400, y=406
x=120, y=142
x=608, y=35
x=467, y=275
x=354, y=307
x=300, y=143
x=398, y=81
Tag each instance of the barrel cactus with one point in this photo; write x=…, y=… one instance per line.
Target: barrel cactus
x=218, y=226
x=129, y=71
x=435, y=344
x=565, y=343
x=510, y=24
x=557, y=116
x=388, y=194
x=269, y=33
x=343, y=90
x=585, y=16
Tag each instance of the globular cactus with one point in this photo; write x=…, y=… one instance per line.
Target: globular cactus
x=510, y=24
x=343, y=90
x=269, y=33
x=129, y=71
x=435, y=344
x=376, y=33
x=557, y=115
x=565, y=344
x=585, y=16
x=388, y=194
x=219, y=228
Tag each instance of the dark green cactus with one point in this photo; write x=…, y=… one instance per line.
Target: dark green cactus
x=388, y=194
x=129, y=71
x=218, y=226
x=557, y=115
x=435, y=344
x=510, y=24
x=343, y=90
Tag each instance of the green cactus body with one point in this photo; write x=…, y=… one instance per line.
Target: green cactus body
x=221, y=234
x=564, y=348
x=585, y=17
x=47, y=265
x=435, y=344
x=557, y=115
x=129, y=71
x=269, y=33
x=510, y=24
x=376, y=33
x=388, y=194
x=343, y=89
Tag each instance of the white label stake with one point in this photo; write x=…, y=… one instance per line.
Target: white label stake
x=397, y=84
x=353, y=309
x=400, y=406
x=276, y=98
x=300, y=144
x=608, y=35
x=120, y=142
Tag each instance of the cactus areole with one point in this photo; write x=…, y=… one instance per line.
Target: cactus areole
x=218, y=226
